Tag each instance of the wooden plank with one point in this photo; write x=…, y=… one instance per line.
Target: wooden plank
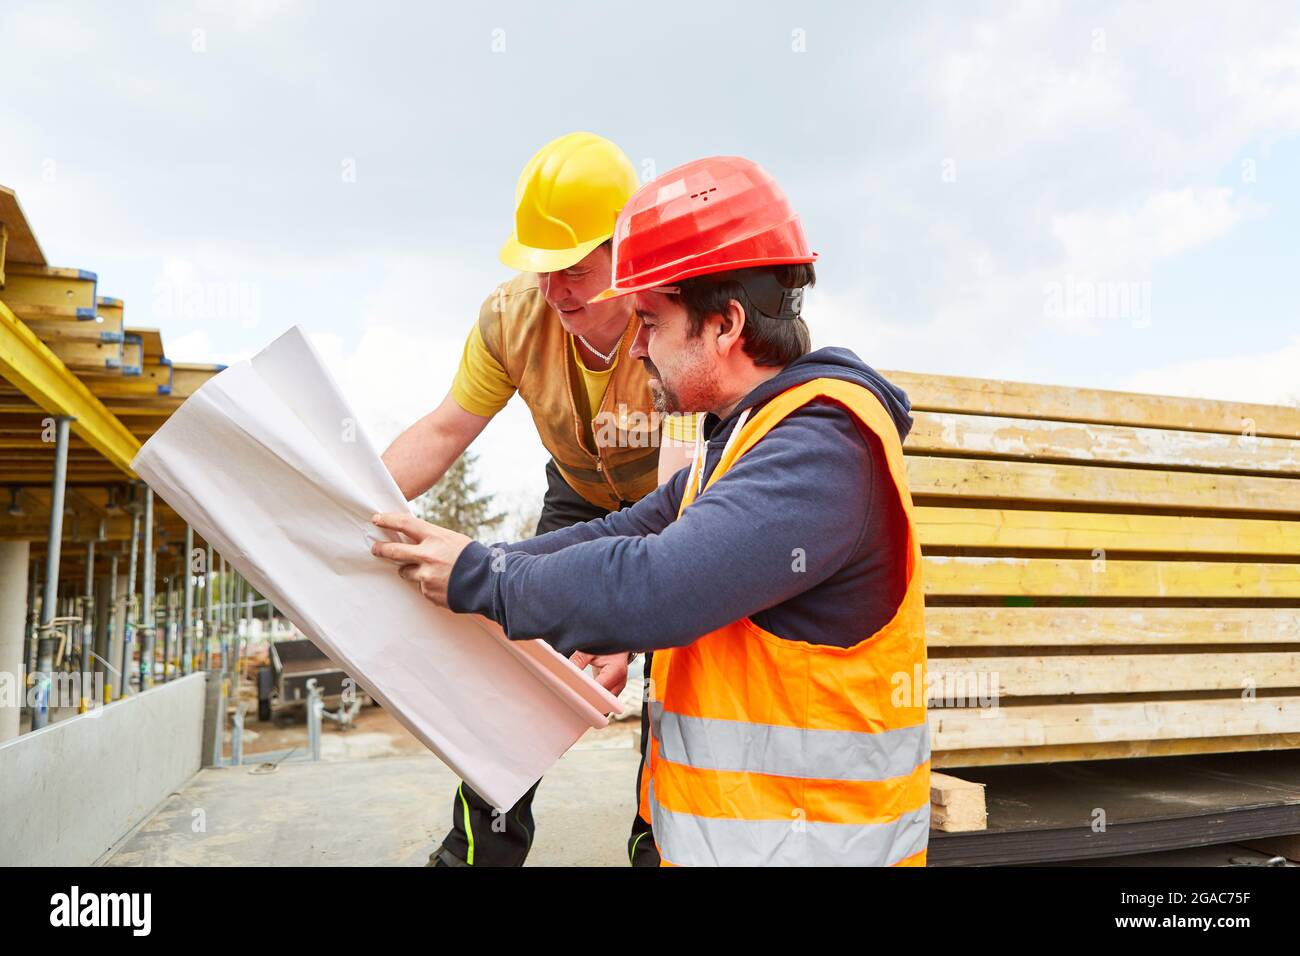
x=60, y=329
x=132, y=355
x=956, y=806
x=1108, y=626
x=78, y=354
x=111, y=315
x=28, y=363
x=1026, y=438
x=982, y=396
x=153, y=381
x=188, y=378
x=22, y=244
x=41, y=291
x=151, y=340
x=1087, y=531
x=1068, y=577
x=961, y=480
x=1174, y=747
x=960, y=679
x=969, y=728
x=1284, y=846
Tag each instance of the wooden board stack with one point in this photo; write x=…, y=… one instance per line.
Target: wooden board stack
x=1107, y=574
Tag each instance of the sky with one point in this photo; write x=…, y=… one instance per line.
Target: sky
x=1098, y=195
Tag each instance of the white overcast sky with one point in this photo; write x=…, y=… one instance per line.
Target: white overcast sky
x=970, y=173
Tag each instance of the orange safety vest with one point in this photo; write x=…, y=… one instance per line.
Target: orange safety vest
x=767, y=751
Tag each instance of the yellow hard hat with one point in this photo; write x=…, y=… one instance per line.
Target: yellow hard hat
x=567, y=201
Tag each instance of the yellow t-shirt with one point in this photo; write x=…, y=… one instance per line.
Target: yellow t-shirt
x=587, y=400
x=482, y=387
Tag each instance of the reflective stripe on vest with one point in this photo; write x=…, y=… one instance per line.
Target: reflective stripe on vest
x=687, y=839
x=709, y=744
x=767, y=751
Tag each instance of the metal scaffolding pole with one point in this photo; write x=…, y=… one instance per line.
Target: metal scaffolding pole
x=237, y=654
x=88, y=629
x=33, y=622
x=129, y=627
x=109, y=677
x=49, y=600
x=147, y=611
x=209, y=616
x=248, y=599
x=169, y=628
x=223, y=636
x=187, y=620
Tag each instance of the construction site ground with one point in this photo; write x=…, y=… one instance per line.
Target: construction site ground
x=376, y=797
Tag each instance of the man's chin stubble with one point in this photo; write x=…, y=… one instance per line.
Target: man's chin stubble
x=661, y=401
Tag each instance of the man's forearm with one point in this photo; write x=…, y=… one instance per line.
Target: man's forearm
x=797, y=493
x=421, y=455
x=417, y=462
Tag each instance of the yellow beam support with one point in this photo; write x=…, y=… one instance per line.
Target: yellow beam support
x=37, y=372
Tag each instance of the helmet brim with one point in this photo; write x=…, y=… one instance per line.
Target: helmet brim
x=680, y=274
x=524, y=258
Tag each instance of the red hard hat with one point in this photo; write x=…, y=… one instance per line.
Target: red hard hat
x=712, y=215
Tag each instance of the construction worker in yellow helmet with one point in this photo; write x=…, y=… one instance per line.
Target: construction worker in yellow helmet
x=539, y=335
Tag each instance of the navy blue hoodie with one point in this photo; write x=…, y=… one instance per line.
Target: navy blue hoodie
x=805, y=535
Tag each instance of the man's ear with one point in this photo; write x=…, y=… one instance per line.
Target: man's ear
x=731, y=326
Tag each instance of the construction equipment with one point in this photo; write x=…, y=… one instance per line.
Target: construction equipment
x=286, y=682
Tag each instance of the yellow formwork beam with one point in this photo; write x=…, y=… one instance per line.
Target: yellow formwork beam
x=36, y=371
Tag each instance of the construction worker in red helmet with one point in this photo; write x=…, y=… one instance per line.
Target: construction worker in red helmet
x=539, y=335
x=787, y=705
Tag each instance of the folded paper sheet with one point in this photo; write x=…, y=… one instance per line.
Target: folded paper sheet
x=269, y=465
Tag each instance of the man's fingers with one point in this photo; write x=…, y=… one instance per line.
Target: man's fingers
x=409, y=525
x=613, y=678
x=396, y=551
x=580, y=659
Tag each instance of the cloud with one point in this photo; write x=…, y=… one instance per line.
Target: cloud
x=951, y=163
x=1127, y=242
x=1270, y=378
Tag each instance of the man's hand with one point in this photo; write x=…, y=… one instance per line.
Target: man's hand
x=609, y=670
x=428, y=560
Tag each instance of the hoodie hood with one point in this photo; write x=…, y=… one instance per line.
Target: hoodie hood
x=823, y=363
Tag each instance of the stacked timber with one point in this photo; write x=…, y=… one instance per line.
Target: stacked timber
x=1107, y=574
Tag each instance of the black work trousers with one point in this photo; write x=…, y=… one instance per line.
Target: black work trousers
x=481, y=835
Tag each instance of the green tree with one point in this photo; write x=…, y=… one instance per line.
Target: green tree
x=456, y=503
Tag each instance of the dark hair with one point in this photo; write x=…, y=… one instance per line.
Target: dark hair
x=766, y=340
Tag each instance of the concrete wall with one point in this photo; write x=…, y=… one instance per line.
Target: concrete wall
x=69, y=791
x=13, y=630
